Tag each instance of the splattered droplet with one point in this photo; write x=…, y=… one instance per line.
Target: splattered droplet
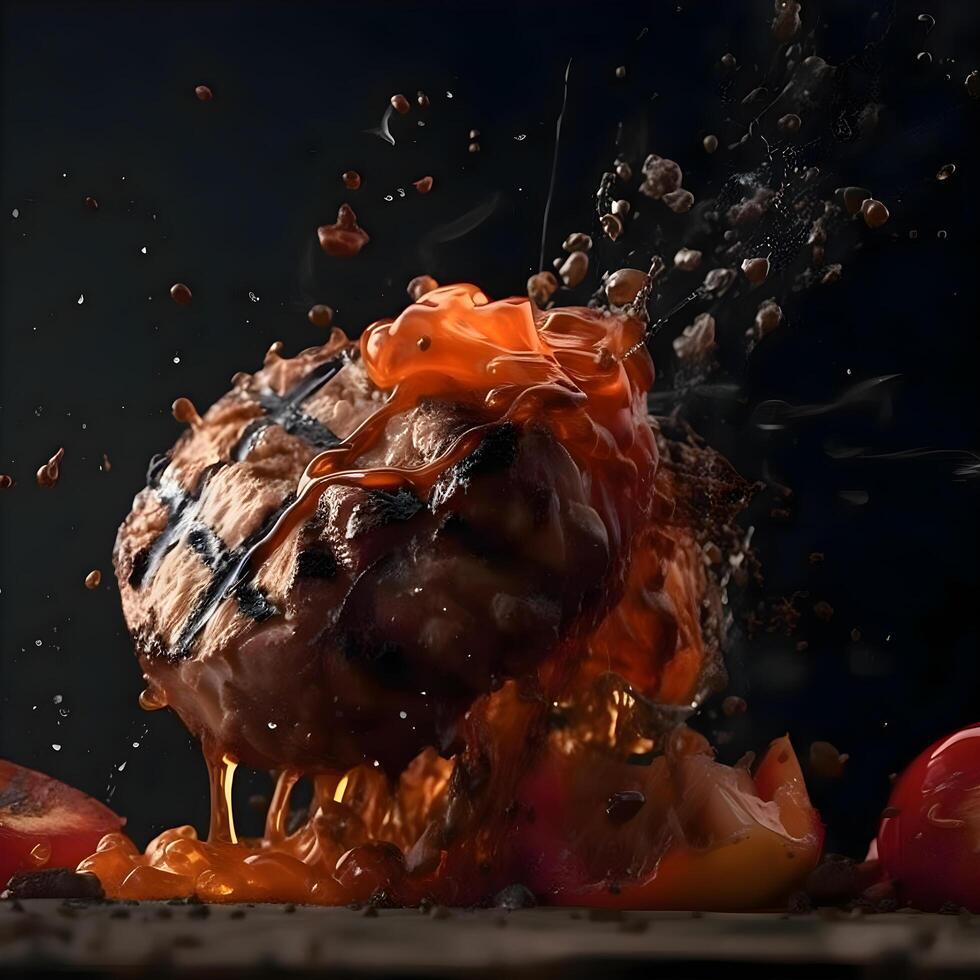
x=181, y=294
x=49, y=474
x=320, y=315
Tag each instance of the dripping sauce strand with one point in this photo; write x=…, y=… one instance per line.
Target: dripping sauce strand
x=582, y=373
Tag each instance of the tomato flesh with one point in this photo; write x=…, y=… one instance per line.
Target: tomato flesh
x=929, y=838
x=708, y=836
x=44, y=823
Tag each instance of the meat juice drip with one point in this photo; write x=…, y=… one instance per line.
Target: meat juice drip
x=567, y=369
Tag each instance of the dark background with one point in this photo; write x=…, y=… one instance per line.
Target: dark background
x=98, y=99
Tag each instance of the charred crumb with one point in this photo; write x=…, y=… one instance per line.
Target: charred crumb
x=514, y=897
x=54, y=883
x=201, y=911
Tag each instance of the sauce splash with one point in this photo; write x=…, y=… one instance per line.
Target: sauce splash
x=439, y=830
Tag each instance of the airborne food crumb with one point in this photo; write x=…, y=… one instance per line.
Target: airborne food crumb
x=875, y=213
x=611, y=225
x=574, y=269
x=790, y=123
x=623, y=285
x=756, y=270
x=661, y=176
x=541, y=287
x=181, y=294
x=320, y=315
x=577, y=242
x=679, y=201
x=421, y=285
x=687, y=259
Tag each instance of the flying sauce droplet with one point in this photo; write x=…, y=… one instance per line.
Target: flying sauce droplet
x=49, y=474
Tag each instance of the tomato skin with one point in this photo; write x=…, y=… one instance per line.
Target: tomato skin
x=929, y=840
x=46, y=824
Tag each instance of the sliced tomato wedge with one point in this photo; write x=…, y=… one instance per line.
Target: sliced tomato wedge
x=684, y=832
x=44, y=823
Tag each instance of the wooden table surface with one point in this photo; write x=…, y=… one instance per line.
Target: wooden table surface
x=46, y=935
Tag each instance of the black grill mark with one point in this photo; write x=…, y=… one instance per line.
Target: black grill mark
x=255, y=603
x=232, y=571
x=230, y=578
x=380, y=508
x=496, y=452
x=182, y=512
x=286, y=411
x=207, y=544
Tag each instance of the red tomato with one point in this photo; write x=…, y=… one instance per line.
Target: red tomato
x=44, y=823
x=929, y=840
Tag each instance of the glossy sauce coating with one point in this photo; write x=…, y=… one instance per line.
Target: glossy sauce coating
x=432, y=832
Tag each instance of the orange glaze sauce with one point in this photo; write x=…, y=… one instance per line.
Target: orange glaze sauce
x=428, y=834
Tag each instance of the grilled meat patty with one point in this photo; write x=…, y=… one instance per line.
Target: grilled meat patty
x=377, y=621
